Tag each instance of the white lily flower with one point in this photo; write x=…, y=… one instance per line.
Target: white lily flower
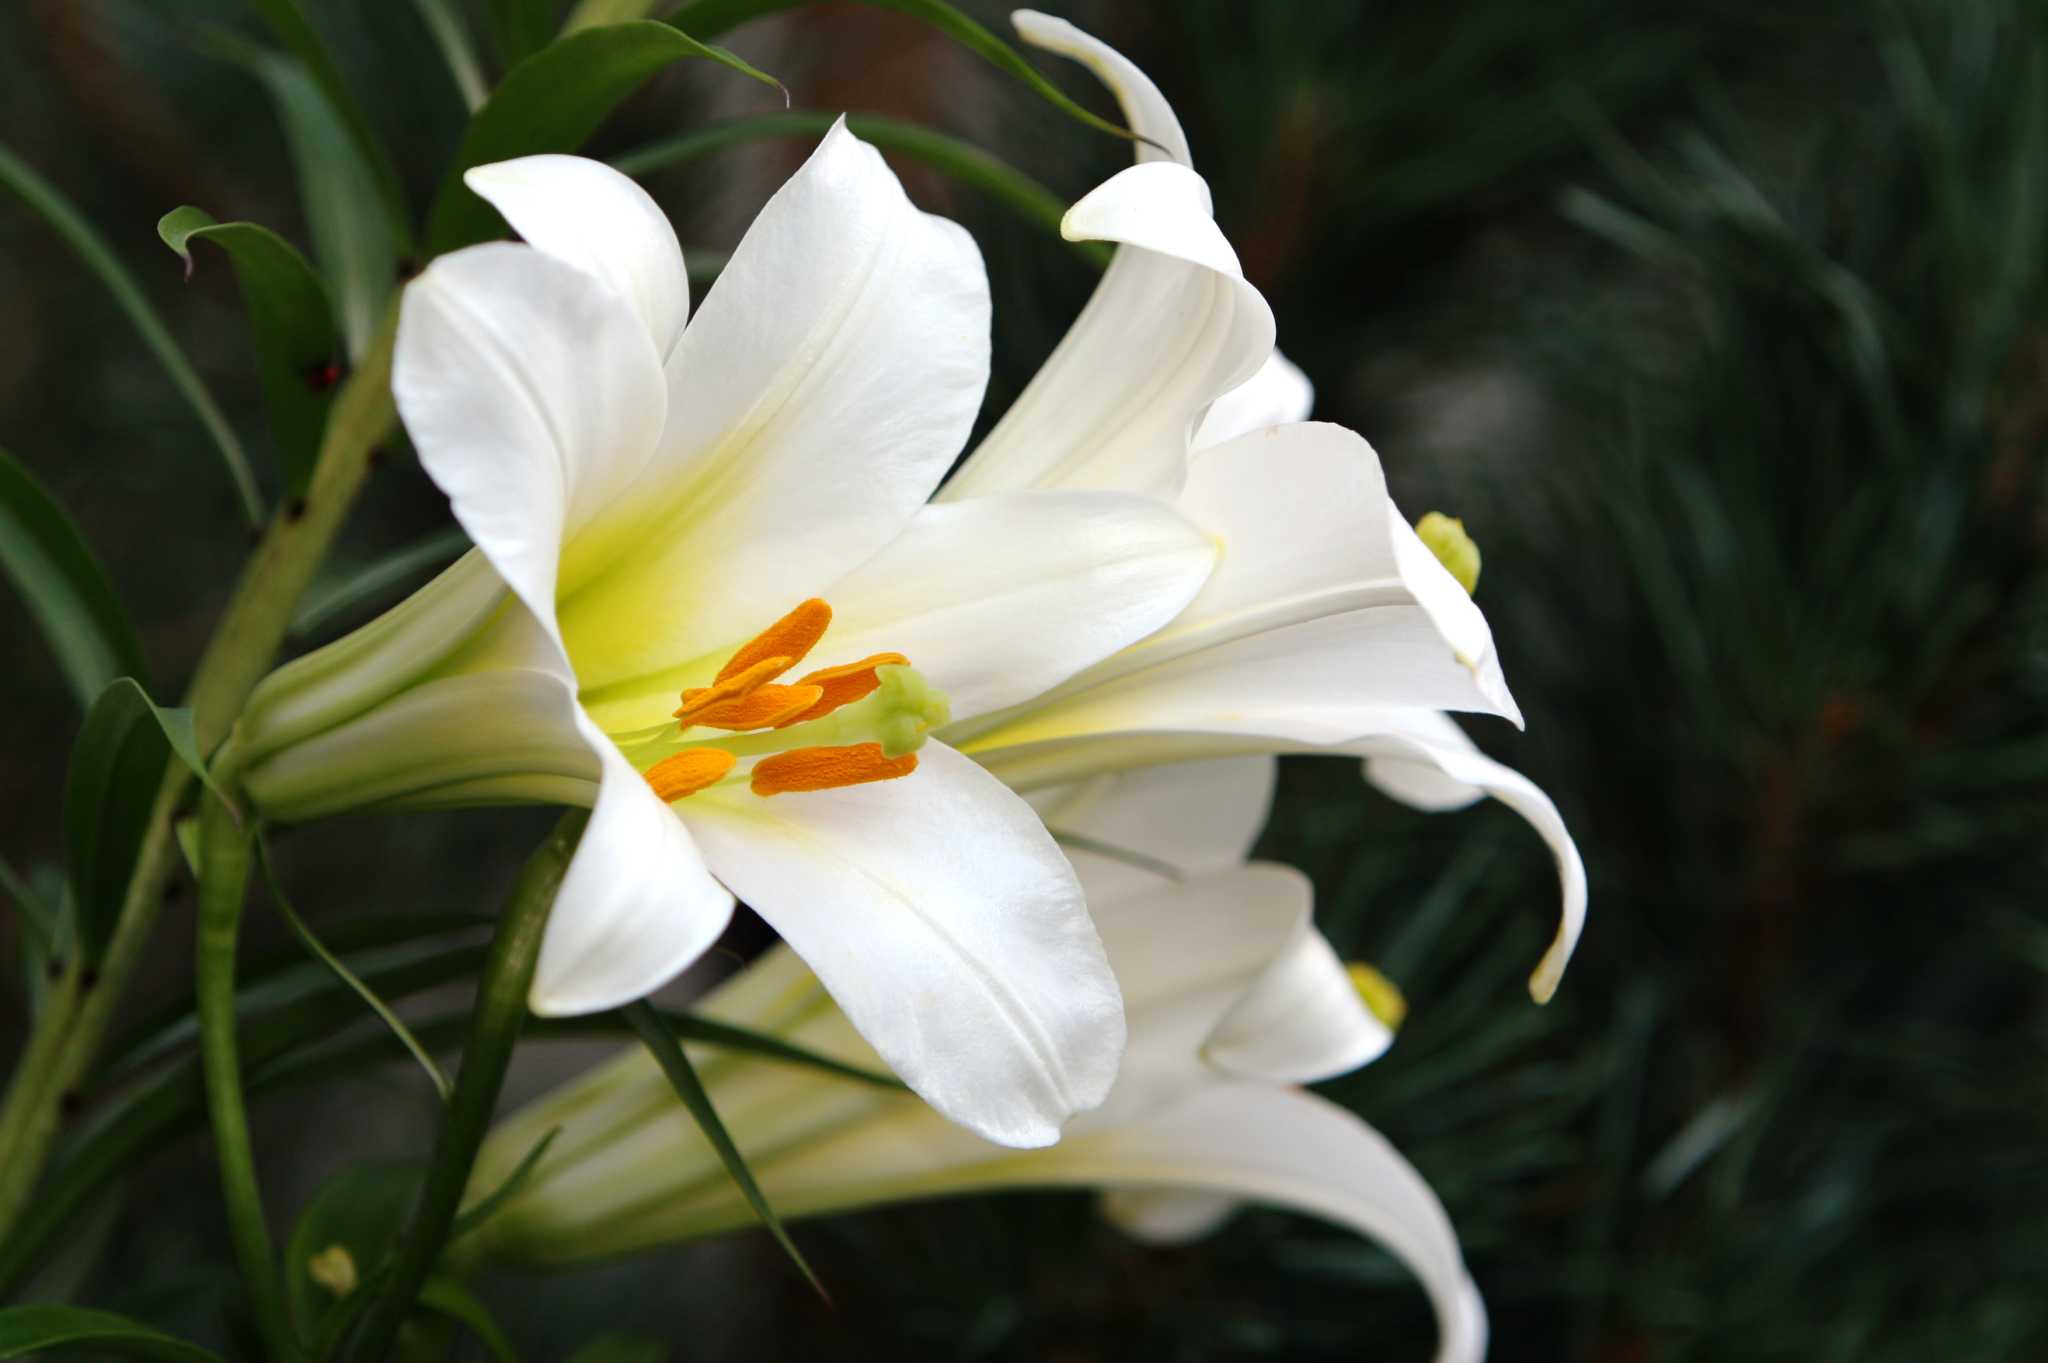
x=646, y=495
x=1329, y=625
x=1233, y=998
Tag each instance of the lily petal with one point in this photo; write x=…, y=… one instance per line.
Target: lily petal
x=1278, y=394
x=1426, y=761
x=533, y=395
x=1302, y=1022
x=586, y=214
x=1172, y=326
x=1089, y=571
x=1146, y=111
x=1133, y=831
x=825, y=384
x=946, y=924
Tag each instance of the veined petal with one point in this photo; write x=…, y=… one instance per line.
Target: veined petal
x=587, y=214
x=533, y=395
x=1146, y=111
x=637, y=904
x=1275, y=396
x=946, y=924
x=1000, y=598
x=1172, y=326
x=1133, y=831
x=1427, y=761
x=822, y=389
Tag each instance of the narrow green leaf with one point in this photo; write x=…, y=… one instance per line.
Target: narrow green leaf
x=960, y=159
x=654, y=1032
x=353, y=237
x=713, y=17
x=457, y=1302
x=291, y=327
x=117, y=765
x=52, y=207
x=43, y=1328
x=520, y=28
x=444, y=20
x=368, y=584
x=343, y=973
x=66, y=589
x=710, y=1032
x=504, y=1192
x=37, y=917
x=552, y=102
x=304, y=42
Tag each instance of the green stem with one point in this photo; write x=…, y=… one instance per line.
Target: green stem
x=498, y=1013
x=225, y=856
x=74, y=1018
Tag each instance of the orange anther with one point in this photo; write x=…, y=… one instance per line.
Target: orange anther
x=768, y=707
x=739, y=686
x=828, y=768
x=688, y=772
x=791, y=637
x=844, y=685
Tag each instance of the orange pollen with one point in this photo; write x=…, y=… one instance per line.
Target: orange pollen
x=736, y=686
x=688, y=772
x=828, y=768
x=843, y=685
x=789, y=638
x=767, y=707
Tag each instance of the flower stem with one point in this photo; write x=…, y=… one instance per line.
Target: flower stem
x=74, y=1018
x=225, y=856
x=495, y=1020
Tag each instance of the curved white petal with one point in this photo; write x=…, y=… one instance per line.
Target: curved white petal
x=947, y=925
x=637, y=904
x=1130, y=831
x=1428, y=762
x=1146, y=111
x=1302, y=1022
x=1275, y=396
x=1000, y=598
x=589, y=215
x=1167, y=1216
x=533, y=395
x=818, y=395
x=1172, y=326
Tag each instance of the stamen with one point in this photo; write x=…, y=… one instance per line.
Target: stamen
x=791, y=637
x=1381, y=996
x=738, y=686
x=688, y=772
x=828, y=768
x=766, y=708
x=846, y=684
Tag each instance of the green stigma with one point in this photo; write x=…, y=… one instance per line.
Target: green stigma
x=907, y=708
x=1382, y=997
x=1446, y=538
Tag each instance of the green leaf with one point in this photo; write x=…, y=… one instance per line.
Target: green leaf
x=552, y=102
x=444, y=20
x=48, y=1329
x=65, y=220
x=654, y=1032
x=961, y=160
x=304, y=42
x=457, y=1302
x=367, y=584
x=621, y=1348
x=66, y=589
x=117, y=767
x=520, y=27
x=713, y=17
x=504, y=1192
x=361, y=1210
x=353, y=238
x=344, y=974
x=291, y=326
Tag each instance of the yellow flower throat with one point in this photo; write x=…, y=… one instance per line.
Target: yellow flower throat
x=791, y=728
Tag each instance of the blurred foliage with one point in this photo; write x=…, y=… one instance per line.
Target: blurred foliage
x=1720, y=323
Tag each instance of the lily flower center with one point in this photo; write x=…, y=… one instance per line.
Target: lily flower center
x=837, y=726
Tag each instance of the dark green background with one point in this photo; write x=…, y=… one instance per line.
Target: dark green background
x=1721, y=324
